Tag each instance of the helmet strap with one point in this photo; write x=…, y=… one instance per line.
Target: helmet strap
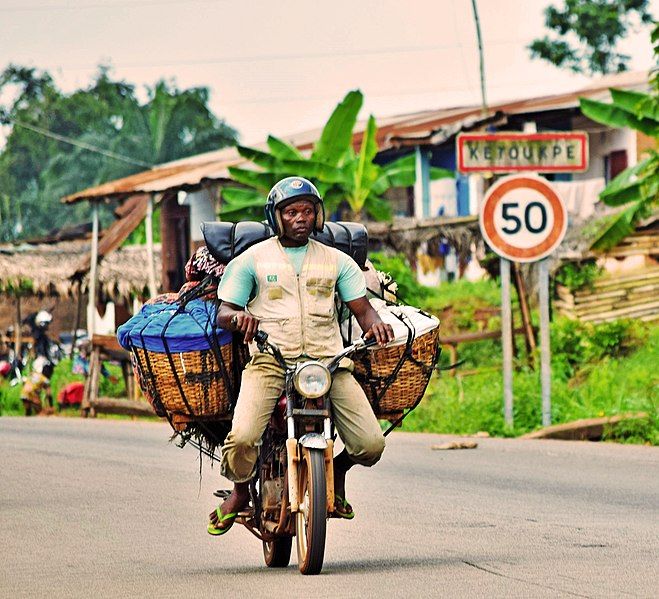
x=280, y=225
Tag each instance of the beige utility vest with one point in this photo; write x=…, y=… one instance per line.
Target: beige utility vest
x=297, y=311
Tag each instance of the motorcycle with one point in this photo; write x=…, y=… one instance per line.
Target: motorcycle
x=292, y=492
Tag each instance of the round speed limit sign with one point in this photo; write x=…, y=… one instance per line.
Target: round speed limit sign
x=522, y=218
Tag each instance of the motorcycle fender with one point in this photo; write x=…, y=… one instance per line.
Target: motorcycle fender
x=313, y=441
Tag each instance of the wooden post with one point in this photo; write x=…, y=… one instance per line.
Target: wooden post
x=18, y=336
x=529, y=335
x=78, y=319
x=148, y=222
x=93, y=273
x=90, y=394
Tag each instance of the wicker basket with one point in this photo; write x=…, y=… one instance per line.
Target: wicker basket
x=374, y=368
x=203, y=389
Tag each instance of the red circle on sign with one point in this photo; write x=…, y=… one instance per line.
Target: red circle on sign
x=500, y=245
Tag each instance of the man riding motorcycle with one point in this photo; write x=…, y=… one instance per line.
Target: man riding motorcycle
x=285, y=286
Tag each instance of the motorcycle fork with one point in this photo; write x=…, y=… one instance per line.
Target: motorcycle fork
x=292, y=466
x=329, y=474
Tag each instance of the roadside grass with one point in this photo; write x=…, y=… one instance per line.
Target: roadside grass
x=605, y=387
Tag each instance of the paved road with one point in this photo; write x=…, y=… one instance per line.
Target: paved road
x=103, y=508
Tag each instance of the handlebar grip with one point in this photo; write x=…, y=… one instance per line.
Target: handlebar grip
x=370, y=342
x=260, y=337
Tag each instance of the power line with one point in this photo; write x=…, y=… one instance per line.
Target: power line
x=80, y=144
x=279, y=57
x=75, y=6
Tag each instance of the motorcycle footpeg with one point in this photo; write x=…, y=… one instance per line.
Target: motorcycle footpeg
x=222, y=493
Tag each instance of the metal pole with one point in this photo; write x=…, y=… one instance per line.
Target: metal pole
x=93, y=273
x=545, y=350
x=421, y=184
x=507, y=343
x=148, y=222
x=480, y=56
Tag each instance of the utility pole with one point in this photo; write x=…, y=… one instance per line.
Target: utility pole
x=480, y=57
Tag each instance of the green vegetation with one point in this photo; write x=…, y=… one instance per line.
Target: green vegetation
x=59, y=143
x=340, y=174
x=576, y=276
x=636, y=190
x=586, y=33
x=597, y=370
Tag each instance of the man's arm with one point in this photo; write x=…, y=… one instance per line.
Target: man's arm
x=231, y=317
x=370, y=322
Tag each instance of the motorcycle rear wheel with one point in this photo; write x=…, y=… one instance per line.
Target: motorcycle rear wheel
x=277, y=553
x=311, y=520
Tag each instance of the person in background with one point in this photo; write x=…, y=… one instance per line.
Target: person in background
x=37, y=386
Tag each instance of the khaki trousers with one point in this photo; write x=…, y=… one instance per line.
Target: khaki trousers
x=261, y=387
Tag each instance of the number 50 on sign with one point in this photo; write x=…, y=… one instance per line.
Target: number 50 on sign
x=522, y=218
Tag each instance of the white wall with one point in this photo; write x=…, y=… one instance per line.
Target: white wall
x=602, y=142
x=201, y=209
x=443, y=195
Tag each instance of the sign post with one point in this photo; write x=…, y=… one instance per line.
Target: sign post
x=523, y=219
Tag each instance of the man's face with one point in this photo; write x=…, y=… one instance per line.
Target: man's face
x=298, y=220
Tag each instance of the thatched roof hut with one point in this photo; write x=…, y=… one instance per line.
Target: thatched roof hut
x=48, y=269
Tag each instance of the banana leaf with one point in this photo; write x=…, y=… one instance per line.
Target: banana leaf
x=625, y=187
x=309, y=169
x=642, y=105
x=259, y=158
x=615, y=116
x=378, y=208
x=365, y=173
x=259, y=180
x=283, y=150
x=618, y=226
x=336, y=136
x=233, y=197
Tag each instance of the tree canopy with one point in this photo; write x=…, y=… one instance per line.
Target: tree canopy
x=59, y=143
x=585, y=34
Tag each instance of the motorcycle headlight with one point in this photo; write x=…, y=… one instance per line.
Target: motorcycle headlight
x=312, y=380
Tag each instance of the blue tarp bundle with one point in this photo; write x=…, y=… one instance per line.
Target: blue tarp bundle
x=183, y=329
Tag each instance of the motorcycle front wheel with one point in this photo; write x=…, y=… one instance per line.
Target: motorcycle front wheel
x=311, y=520
x=277, y=553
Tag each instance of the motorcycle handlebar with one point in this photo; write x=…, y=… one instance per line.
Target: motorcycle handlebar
x=261, y=339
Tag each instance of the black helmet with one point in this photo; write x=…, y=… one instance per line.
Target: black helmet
x=292, y=189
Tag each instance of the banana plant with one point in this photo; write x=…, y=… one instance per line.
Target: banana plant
x=341, y=174
x=636, y=190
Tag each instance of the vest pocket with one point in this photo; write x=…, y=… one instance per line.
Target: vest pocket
x=320, y=287
x=275, y=292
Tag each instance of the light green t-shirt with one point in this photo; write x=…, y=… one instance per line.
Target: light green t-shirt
x=238, y=283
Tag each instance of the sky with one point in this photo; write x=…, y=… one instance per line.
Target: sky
x=281, y=66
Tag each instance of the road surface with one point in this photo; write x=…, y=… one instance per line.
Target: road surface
x=108, y=508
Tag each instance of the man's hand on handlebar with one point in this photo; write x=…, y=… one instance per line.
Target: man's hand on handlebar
x=382, y=332
x=246, y=324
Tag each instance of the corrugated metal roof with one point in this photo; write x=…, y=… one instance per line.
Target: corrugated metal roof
x=395, y=131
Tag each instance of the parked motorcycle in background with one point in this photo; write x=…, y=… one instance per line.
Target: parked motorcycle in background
x=40, y=346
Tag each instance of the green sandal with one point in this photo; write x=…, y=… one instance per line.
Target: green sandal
x=342, y=509
x=214, y=529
